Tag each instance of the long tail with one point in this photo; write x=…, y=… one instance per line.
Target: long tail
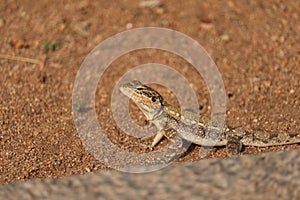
x=261, y=138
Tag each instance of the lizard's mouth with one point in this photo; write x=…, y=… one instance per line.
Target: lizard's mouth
x=127, y=91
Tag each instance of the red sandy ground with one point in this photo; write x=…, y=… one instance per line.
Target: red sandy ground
x=255, y=45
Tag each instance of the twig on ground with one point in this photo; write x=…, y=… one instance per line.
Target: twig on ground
x=23, y=59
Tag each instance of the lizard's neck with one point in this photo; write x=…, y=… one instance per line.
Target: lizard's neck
x=172, y=111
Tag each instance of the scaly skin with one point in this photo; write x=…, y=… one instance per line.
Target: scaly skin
x=195, y=128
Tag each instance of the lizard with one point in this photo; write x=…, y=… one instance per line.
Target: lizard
x=193, y=128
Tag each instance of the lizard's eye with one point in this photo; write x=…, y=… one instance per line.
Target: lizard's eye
x=153, y=99
x=139, y=89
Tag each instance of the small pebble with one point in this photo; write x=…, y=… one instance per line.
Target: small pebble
x=129, y=26
x=150, y=4
x=87, y=169
x=281, y=53
x=225, y=37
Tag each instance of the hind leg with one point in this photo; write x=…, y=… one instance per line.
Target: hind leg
x=233, y=146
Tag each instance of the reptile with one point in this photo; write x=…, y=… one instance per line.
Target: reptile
x=170, y=120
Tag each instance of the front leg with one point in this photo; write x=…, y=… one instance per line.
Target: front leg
x=234, y=145
x=169, y=134
x=157, y=138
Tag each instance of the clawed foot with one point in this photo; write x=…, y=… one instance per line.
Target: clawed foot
x=234, y=146
x=147, y=145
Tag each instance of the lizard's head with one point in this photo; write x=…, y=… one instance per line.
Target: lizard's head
x=147, y=99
